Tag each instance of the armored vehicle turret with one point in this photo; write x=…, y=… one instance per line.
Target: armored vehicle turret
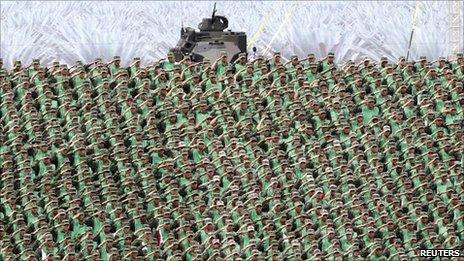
x=210, y=40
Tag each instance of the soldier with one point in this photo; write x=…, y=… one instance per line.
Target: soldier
x=211, y=167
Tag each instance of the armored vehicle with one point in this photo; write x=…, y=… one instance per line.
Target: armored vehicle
x=210, y=41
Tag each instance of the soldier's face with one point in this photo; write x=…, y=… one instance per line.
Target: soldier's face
x=439, y=122
x=370, y=104
x=12, y=200
x=309, y=131
x=66, y=227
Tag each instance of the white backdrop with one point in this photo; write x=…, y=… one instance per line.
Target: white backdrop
x=72, y=30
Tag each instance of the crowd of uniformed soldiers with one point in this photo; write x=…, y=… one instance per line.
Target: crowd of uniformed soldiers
x=253, y=160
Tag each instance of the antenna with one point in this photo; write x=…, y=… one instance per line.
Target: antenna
x=182, y=18
x=214, y=11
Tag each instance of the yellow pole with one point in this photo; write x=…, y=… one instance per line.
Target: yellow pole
x=261, y=27
x=288, y=15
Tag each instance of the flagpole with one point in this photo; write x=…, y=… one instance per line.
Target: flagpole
x=414, y=20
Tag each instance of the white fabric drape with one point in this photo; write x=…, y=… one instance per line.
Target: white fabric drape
x=74, y=30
